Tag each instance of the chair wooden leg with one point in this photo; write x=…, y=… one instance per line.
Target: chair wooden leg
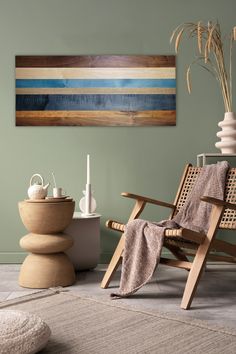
x=200, y=259
x=193, y=278
x=114, y=263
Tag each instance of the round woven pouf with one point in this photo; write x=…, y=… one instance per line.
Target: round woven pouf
x=22, y=332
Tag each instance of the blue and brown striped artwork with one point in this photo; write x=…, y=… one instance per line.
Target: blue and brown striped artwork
x=101, y=90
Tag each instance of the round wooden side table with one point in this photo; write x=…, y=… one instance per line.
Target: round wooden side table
x=85, y=231
x=47, y=265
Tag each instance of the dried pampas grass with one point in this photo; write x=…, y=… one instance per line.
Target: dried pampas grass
x=210, y=54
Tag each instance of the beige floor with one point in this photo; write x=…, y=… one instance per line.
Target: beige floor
x=215, y=300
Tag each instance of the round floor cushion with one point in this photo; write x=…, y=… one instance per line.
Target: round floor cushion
x=22, y=332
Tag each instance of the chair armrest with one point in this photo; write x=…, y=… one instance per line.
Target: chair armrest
x=148, y=200
x=220, y=202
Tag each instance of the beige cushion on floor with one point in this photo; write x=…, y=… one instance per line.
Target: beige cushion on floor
x=22, y=332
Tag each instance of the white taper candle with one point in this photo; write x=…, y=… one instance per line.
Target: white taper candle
x=88, y=169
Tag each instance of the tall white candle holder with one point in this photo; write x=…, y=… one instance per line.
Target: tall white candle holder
x=88, y=199
x=88, y=204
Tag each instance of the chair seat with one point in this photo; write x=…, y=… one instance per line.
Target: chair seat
x=180, y=235
x=174, y=237
x=174, y=232
x=178, y=241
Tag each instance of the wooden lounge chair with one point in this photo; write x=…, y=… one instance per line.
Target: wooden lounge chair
x=184, y=242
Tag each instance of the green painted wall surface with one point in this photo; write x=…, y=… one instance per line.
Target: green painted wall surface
x=145, y=160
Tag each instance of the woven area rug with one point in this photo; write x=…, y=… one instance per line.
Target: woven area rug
x=83, y=325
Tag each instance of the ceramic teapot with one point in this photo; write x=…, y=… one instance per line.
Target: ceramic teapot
x=36, y=190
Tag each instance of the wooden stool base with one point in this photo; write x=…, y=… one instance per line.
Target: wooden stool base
x=46, y=270
x=47, y=265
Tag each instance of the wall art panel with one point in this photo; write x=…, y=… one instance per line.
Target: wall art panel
x=103, y=90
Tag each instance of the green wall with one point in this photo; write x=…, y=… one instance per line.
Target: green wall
x=144, y=160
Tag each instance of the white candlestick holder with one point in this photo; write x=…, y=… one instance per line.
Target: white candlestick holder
x=88, y=195
x=87, y=204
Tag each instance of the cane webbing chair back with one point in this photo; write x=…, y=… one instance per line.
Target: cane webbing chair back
x=228, y=220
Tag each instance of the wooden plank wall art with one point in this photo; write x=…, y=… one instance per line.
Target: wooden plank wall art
x=104, y=90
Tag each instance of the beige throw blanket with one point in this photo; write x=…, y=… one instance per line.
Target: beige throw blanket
x=144, y=239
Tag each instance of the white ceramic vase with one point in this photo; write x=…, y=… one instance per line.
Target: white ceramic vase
x=227, y=145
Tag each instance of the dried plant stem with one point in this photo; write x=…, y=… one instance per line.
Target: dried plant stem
x=210, y=47
x=230, y=62
x=199, y=37
x=188, y=78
